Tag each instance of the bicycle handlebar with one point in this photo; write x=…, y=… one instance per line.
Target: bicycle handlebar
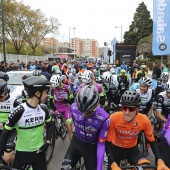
x=139, y=167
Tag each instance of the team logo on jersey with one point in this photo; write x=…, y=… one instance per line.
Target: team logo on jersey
x=91, y=129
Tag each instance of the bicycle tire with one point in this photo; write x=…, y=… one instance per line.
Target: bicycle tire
x=63, y=132
x=50, y=150
x=142, y=144
x=5, y=167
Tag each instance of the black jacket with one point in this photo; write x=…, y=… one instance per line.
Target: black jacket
x=156, y=73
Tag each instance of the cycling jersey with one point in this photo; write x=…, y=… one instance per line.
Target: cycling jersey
x=96, y=73
x=98, y=86
x=163, y=103
x=90, y=129
x=29, y=124
x=147, y=100
x=5, y=108
x=124, y=134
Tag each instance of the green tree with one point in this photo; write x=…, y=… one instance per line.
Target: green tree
x=140, y=27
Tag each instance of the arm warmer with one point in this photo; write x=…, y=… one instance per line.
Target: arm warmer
x=155, y=149
x=50, y=129
x=109, y=152
x=3, y=141
x=100, y=154
x=52, y=105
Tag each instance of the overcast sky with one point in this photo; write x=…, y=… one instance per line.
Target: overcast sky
x=93, y=19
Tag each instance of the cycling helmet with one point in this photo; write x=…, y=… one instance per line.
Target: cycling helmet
x=103, y=68
x=63, y=78
x=87, y=76
x=106, y=77
x=87, y=99
x=80, y=66
x=112, y=71
x=123, y=72
x=55, y=80
x=114, y=66
x=130, y=98
x=146, y=81
x=164, y=76
x=58, y=72
x=80, y=75
x=142, y=79
x=3, y=87
x=167, y=87
x=32, y=85
x=99, y=80
x=97, y=68
x=73, y=70
x=4, y=76
x=36, y=73
x=143, y=67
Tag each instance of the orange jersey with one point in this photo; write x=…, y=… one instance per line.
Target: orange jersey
x=124, y=134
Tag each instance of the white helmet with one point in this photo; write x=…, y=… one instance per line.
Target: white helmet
x=107, y=77
x=87, y=76
x=73, y=70
x=146, y=81
x=164, y=76
x=112, y=71
x=167, y=87
x=79, y=75
x=55, y=80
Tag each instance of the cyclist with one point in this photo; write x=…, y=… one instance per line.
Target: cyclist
x=87, y=79
x=147, y=96
x=97, y=72
x=161, y=83
x=28, y=118
x=163, y=104
x=121, y=141
x=6, y=102
x=91, y=125
x=60, y=98
x=141, y=73
x=4, y=76
x=78, y=81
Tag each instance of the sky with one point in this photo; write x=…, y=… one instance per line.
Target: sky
x=93, y=19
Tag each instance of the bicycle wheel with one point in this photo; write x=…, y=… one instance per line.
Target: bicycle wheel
x=50, y=150
x=142, y=144
x=63, y=132
x=5, y=167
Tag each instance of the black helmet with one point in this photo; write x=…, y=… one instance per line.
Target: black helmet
x=87, y=99
x=4, y=76
x=34, y=84
x=36, y=73
x=130, y=98
x=3, y=87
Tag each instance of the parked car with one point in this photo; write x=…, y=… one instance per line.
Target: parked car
x=15, y=81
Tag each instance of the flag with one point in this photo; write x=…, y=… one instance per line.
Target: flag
x=161, y=27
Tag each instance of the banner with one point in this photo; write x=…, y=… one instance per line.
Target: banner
x=161, y=27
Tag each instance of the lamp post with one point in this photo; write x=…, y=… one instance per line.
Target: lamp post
x=74, y=41
x=3, y=33
x=121, y=31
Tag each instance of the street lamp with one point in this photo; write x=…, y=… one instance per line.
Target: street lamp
x=121, y=31
x=3, y=33
x=74, y=41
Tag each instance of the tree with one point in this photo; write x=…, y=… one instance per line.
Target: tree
x=14, y=16
x=37, y=26
x=141, y=25
x=145, y=46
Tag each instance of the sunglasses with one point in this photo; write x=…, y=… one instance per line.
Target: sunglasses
x=131, y=109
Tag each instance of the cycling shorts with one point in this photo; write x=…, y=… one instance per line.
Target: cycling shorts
x=65, y=110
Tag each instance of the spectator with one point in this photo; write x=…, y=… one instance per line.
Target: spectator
x=45, y=73
x=24, y=66
x=165, y=67
x=156, y=71
x=2, y=66
x=11, y=66
x=16, y=66
x=32, y=66
x=47, y=66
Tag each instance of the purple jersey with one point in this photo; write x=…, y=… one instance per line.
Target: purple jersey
x=64, y=92
x=98, y=86
x=93, y=128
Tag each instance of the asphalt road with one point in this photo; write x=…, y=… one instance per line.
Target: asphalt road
x=61, y=148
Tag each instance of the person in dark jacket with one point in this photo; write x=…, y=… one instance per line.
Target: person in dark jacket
x=45, y=73
x=2, y=66
x=156, y=71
